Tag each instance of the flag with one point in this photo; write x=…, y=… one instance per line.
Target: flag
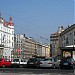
x=18, y=50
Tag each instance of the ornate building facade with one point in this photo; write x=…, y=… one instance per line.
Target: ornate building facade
x=6, y=38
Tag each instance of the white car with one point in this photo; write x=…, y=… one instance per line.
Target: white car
x=17, y=62
x=47, y=62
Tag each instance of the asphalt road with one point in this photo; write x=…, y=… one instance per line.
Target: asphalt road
x=33, y=71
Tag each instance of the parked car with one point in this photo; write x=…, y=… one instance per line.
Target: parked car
x=34, y=62
x=17, y=62
x=5, y=62
x=47, y=62
x=67, y=62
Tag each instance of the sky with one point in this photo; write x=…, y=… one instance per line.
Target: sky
x=38, y=18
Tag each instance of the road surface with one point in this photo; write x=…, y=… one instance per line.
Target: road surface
x=33, y=71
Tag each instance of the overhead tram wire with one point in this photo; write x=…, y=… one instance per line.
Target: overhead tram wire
x=16, y=18
x=23, y=26
x=30, y=23
x=31, y=32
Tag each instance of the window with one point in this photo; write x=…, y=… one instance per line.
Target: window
x=64, y=37
x=74, y=33
x=74, y=41
x=1, y=28
x=12, y=44
x=19, y=45
x=12, y=32
x=16, y=60
x=1, y=36
x=9, y=31
x=67, y=41
x=19, y=41
x=9, y=37
x=6, y=60
x=47, y=60
x=12, y=38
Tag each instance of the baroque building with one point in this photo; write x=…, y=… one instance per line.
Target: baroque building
x=6, y=38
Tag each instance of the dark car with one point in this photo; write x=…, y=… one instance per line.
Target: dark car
x=67, y=62
x=34, y=62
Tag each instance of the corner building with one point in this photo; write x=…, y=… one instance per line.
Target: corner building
x=6, y=38
x=67, y=39
x=54, y=43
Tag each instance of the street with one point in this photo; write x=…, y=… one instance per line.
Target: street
x=33, y=71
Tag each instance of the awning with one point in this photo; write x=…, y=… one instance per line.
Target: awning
x=68, y=48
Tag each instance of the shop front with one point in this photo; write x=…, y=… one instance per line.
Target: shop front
x=1, y=51
x=68, y=51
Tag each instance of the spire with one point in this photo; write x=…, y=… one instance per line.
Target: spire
x=10, y=18
x=10, y=21
x=1, y=20
x=0, y=15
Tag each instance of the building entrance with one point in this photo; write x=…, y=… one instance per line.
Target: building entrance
x=67, y=51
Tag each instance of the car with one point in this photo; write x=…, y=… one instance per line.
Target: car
x=66, y=62
x=34, y=62
x=47, y=62
x=5, y=62
x=17, y=62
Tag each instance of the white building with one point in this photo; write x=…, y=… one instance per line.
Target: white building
x=46, y=50
x=7, y=37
